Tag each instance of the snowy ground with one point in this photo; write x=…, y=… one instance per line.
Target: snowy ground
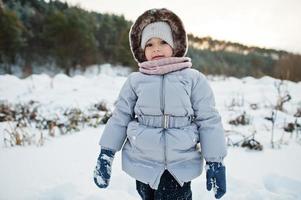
x=62, y=168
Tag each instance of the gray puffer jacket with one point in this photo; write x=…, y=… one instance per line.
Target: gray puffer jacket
x=165, y=122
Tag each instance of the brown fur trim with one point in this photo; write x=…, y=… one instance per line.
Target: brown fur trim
x=154, y=15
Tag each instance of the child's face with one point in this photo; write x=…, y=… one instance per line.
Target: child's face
x=156, y=48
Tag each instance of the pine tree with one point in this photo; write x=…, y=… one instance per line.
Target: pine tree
x=11, y=39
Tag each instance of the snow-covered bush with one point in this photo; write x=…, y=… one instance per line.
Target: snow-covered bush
x=27, y=123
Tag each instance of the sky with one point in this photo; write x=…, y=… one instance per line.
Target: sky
x=263, y=23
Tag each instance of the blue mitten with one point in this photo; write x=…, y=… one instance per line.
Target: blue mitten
x=102, y=172
x=216, y=178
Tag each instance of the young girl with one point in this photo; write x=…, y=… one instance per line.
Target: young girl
x=165, y=119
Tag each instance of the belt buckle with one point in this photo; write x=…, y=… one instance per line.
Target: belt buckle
x=165, y=121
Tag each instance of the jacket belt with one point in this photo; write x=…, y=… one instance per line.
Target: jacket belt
x=165, y=121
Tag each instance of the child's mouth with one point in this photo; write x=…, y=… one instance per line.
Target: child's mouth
x=157, y=57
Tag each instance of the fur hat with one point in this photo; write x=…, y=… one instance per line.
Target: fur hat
x=156, y=15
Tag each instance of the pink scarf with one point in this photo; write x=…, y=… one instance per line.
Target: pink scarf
x=164, y=65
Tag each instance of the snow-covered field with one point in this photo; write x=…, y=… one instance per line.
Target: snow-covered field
x=62, y=168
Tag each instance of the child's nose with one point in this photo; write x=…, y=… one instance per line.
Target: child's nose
x=156, y=48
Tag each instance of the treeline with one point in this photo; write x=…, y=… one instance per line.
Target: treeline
x=233, y=59
x=35, y=32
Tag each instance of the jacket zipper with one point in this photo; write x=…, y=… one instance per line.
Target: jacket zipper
x=161, y=99
x=164, y=129
x=163, y=112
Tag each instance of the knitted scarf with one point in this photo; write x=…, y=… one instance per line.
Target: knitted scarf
x=164, y=65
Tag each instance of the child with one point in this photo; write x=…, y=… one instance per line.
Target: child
x=162, y=113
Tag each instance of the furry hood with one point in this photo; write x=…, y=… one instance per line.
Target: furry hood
x=155, y=15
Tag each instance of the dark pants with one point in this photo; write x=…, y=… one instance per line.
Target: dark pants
x=169, y=189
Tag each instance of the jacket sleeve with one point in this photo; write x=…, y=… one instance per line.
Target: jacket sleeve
x=114, y=133
x=208, y=120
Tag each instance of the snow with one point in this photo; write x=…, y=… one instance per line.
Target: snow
x=63, y=167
